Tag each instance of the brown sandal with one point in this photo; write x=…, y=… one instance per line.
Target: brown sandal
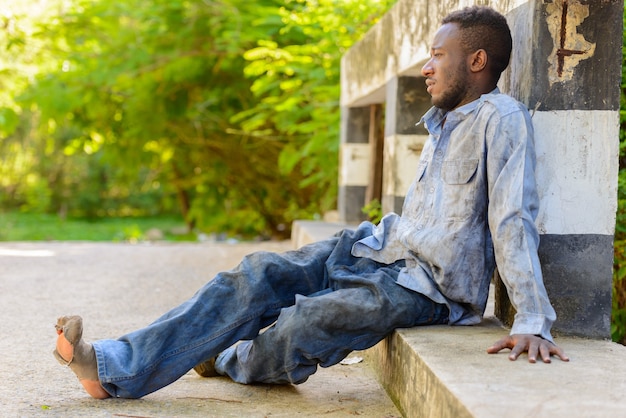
x=83, y=362
x=207, y=368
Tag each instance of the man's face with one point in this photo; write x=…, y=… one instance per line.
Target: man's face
x=447, y=70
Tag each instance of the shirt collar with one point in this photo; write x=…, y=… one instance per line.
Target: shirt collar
x=435, y=116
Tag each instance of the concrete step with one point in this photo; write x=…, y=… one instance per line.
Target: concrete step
x=444, y=371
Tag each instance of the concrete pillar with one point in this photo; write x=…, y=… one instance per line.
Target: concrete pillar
x=567, y=68
x=354, y=163
x=406, y=102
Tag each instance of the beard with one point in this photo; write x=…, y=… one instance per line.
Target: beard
x=454, y=94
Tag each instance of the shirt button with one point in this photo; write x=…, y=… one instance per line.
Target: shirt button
x=420, y=226
x=439, y=153
x=432, y=190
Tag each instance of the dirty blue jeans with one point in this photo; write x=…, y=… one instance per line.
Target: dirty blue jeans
x=320, y=301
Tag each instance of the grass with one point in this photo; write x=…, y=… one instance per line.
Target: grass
x=16, y=226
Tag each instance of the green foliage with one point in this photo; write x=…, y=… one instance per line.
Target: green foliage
x=224, y=111
x=297, y=81
x=374, y=211
x=618, y=320
x=17, y=226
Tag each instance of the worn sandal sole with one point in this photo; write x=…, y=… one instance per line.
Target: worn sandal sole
x=207, y=368
x=83, y=362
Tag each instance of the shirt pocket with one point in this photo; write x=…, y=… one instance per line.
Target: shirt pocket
x=459, y=188
x=459, y=171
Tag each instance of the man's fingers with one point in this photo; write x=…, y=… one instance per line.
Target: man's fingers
x=533, y=345
x=548, y=349
x=533, y=350
x=516, y=351
x=544, y=351
x=499, y=345
x=558, y=351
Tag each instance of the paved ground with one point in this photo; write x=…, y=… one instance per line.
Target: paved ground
x=118, y=288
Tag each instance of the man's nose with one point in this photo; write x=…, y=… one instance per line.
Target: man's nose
x=427, y=69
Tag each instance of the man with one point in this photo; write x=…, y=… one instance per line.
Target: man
x=471, y=206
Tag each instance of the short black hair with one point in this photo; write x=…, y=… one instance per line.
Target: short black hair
x=484, y=28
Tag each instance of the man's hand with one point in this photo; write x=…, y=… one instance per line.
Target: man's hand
x=520, y=343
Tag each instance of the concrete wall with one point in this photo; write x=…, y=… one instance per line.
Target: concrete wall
x=566, y=67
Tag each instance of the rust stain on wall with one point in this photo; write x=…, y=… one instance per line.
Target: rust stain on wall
x=570, y=47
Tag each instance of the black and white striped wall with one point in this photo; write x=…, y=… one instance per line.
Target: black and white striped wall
x=566, y=67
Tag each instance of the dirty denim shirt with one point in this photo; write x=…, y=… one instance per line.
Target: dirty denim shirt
x=471, y=206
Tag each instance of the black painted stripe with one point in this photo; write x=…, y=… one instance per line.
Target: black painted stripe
x=350, y=203
x=577, y=272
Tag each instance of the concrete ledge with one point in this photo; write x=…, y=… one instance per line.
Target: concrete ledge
x=306, y=232
x=444, y=371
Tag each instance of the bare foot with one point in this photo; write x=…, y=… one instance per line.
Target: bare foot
x=84, y=364
x=95, y=389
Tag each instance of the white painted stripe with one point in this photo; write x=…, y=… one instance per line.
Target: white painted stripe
x=577, y=167
x=577, y=164
x=354, y=164
x=401, y=157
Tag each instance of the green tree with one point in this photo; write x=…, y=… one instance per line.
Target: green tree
x=618, y=323
x=226, y=111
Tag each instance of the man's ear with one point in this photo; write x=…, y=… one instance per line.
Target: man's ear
x=478, y=60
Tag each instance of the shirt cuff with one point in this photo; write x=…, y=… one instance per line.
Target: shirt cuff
x=380, y=245
x=531, y=323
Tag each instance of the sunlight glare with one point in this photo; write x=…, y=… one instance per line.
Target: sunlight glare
x=25, y=253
